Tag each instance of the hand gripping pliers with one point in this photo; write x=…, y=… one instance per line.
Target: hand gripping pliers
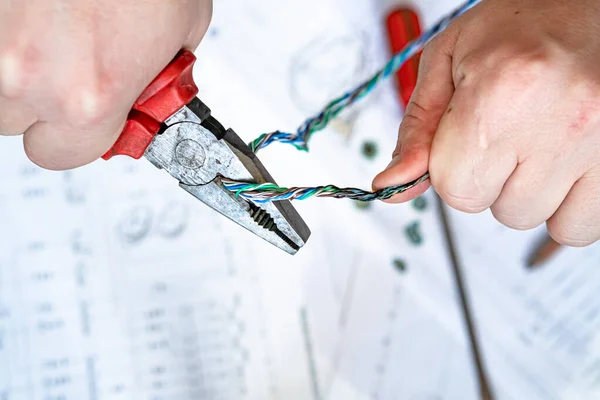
x=175, y=131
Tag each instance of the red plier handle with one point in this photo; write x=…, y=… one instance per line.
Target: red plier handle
x=172, y=89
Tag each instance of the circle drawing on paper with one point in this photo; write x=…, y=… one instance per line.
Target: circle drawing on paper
x=173, y=220
x=135, y=224
x=326, y=68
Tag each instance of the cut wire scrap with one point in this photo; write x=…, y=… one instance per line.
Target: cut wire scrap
x=262, y=192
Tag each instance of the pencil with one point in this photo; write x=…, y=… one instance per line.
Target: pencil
x=485, y=387
x=543, y=252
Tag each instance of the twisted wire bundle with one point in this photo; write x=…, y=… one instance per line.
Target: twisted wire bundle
x=265, y=192
x=262, y=192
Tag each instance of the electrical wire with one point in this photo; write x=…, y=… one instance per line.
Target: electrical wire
x=262, y=192
x=265, y=192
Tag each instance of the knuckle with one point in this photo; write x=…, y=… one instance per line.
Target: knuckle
x=516, y=70
x=520, y=221
x=461, y=202
x=520, y=72
x=15, y=118
x=87, y=106
x=54, y=160
x=465, y=201
x=11, y=70
x=570, y=234
x=466, y=70
x=18, y=65
x=529, y=66
x=12, y=127
x=415, y=115
x=45, y=152
x=40, y=158
x=442, y=43
x=459, y=190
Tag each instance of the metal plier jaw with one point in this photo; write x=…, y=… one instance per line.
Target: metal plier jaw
x=176, y=132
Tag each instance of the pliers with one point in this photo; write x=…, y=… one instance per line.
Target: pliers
x=175, y=131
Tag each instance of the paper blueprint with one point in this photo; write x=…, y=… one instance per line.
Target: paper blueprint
x=116, y=284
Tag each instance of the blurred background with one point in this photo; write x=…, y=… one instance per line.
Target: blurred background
x=117, y=285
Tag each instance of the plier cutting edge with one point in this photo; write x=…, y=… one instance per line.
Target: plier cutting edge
x=175, y=131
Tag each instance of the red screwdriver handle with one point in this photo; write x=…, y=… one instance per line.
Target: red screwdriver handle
x=403, y=26
x=172, y=89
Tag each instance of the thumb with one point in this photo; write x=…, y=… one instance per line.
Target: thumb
x=427, y=105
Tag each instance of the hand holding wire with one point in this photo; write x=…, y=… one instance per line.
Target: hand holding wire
x=261, y=192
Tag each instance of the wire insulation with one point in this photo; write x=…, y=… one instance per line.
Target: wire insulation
x=265, y=192
x=261, y=192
